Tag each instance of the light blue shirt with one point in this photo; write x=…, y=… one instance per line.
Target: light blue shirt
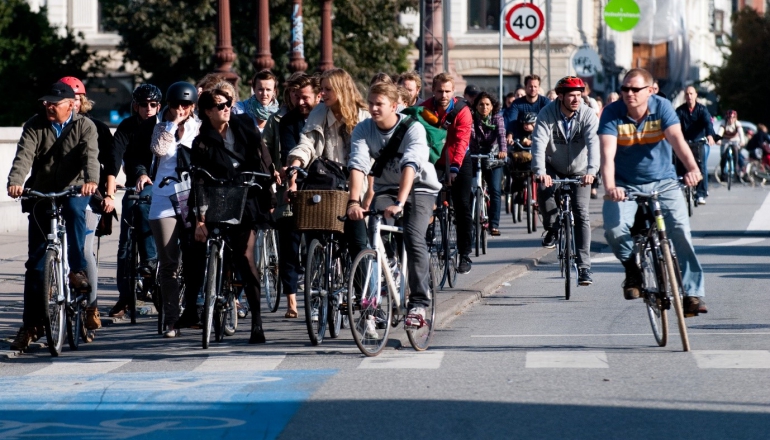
x=59, y=127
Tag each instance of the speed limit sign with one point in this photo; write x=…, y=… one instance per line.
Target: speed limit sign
x=524, y=21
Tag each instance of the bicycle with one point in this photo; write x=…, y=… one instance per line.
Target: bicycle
x=442, y=240
x=140, y=285
x=566, y=239
x=61, y=306
x=730, y=156
x=480, y=203
x=376, y=298
x=523, y=178
x=225, y=200
x=659, y=266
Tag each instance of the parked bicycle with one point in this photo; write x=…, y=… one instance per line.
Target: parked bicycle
x=63, y=305
x=378, y=291
x=659, y=266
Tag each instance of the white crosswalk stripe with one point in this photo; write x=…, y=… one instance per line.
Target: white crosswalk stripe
x=67, y=368
x=240, y=363
x=427, y=360
x=732, y=358
x=566, y=359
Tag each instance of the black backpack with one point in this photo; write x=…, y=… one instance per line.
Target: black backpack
x=325, y=174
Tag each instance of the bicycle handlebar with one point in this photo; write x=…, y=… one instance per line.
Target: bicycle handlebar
x=370, y=212
x=290, y=171
x=566, y=181
x=69, y=191
x=490, y=156
x=634, y=195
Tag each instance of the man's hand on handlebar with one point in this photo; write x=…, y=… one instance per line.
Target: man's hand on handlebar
x=88, y=189
x=545, y=179
x=393, y=211
x=692, y=178
x=615, y=194
x=587, y=180
x=144, y=179
x=15, y=191
x=201, y=233
x=355, y=212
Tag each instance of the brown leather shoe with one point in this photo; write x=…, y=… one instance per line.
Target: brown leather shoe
x=79, y=282
x=93, y=320
x=23, y=338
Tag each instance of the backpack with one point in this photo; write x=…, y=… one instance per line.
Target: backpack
x=436, y=136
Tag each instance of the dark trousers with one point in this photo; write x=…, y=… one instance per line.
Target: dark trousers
x=74, y=214
x=580, y=201
x=461, y=198
x=137, y=214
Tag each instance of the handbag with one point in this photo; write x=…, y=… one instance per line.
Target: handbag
x=325, y=174
x=180, y=197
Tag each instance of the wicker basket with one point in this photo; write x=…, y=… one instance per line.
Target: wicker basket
x=318, y=210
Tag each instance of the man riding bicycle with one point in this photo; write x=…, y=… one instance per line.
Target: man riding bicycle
x=565, y=145
x=637, y=134
x=696, y=125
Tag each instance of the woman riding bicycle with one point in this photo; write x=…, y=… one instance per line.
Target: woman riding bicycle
x=488, y=136
x=732, y=135
x=225, y=148
x=404, y=181
x=327, y=135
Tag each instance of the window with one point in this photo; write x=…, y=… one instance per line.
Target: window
x=483, y=15
x=653, y=58
x=719, y=22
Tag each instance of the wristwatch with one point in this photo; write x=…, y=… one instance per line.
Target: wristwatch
x=112, y=196
x=397, y=203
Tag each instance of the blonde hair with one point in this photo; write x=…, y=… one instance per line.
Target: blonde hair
x=349, y=99
x=86, y=105
x=386, y=89
x=442, y=78
x=410, y=76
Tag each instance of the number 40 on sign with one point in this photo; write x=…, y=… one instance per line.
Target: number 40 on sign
x=524, y=21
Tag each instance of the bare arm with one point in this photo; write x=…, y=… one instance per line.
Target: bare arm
x=355, y=211
x=609, y=146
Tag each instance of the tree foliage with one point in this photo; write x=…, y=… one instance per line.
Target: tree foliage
x=741, y=81
x=173, y=40
x=32, y=57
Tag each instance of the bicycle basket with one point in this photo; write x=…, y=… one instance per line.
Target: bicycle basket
x=221, y=204
x=318, y=210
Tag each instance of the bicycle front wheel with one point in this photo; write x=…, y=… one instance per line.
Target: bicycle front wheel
x=450, y=251
x=436, y=244
x=484, y=224
x=368, y=306
x=133, y=278
x=528, y=203
x=420, y=338
x=75, y=325
x=568, y=256
x=654, y=280
x=730, y=172
x=477, y=220
x=210, y=293
x=55, y=312
x=338, y=293
x=271, y=285
x=316, y=304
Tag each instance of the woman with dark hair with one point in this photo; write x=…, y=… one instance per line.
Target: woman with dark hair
x=225, y=148
x=488, y=136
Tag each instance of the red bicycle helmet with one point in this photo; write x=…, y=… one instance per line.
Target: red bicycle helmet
x=76, y=84
x=570, y=84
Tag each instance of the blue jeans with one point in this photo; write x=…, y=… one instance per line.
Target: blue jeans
x=494, y=178
x=74, y=214
x=147, y=249
x=619, y=217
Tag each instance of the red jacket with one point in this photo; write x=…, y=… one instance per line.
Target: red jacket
x=458, y=135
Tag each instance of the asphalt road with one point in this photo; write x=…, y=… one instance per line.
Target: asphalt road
x=520, y=363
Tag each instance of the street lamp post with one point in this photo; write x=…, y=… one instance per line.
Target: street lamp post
x=264, y=59
x=224, y=55
x=297, y=61
x=327, y=59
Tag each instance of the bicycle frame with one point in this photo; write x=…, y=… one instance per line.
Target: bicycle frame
x=397, y=293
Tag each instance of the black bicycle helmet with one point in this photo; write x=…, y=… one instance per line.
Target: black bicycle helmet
x=182, y=92
x=529, y=118
x=147, y=93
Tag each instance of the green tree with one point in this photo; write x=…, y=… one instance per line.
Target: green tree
x=172, y=40
x=32, y=57
x=741, y=80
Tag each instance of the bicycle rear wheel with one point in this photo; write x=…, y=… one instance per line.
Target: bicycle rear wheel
x=210, y=293
x=653, y=277
x=54, y=316
x=133, y=278
x=271, y=284
x=437, y=248
x=420, y=338
x=368, y=308
x=452, y=257
x=231, y=311
x=75, y=325
x=337, y=295
x=316, y=303
x=477, y=219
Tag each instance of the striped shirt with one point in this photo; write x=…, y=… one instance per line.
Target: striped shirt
x=643, y=154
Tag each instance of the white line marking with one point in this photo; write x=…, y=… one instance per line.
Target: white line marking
x=426, y=360
x=606, y=259
x=239, y=363
x=738, y=242
x=732, y=358
x=691, y=333
x=761, y=219
x=566, y=359
x=66, y=368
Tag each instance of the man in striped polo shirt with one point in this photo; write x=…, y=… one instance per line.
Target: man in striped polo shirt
x=637, y=134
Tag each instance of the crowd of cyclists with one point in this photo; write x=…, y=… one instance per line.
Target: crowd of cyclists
x=345, y=141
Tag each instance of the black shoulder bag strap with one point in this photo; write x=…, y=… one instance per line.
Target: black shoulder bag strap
x=450, y=118
x=391, y=148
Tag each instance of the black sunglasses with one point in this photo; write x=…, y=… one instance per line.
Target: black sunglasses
x=220, y=107
x=627, y=89
x=147, y=104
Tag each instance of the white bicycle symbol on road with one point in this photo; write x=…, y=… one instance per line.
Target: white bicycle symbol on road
x=113, y=429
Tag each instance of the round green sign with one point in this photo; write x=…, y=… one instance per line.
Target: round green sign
x=621, y=15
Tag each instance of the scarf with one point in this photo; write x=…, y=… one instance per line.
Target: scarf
x=256, y=110
x=487, y=122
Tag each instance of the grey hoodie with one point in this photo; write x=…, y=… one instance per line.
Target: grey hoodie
x=578, y=155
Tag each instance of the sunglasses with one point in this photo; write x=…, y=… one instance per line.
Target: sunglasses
x=176, y=105
x=222, y=106
x=627, y=89
x=53, y=104
x=148, y=104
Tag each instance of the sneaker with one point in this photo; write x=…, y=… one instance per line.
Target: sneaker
x=701, y=200
x=93, y=320
x=632, y=286
x=371, y=328
x=118, y=310
x=693, y=306
x=465, y=265
x=23, y=338
x=549, y=239
x=415, y=319
x=172, y=333
x=79, y=282
x=584, y=277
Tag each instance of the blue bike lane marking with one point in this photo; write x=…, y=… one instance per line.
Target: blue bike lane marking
x=157, y=405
